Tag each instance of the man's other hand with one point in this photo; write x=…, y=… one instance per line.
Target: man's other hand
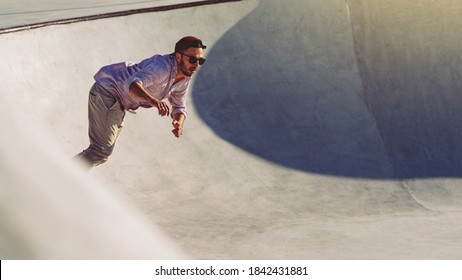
x=178, y=129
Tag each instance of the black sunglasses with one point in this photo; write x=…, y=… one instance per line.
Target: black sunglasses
x=193, y=59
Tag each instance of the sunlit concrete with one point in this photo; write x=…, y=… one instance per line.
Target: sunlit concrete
x=317, y=130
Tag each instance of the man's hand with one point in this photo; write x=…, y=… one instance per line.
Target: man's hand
x=162, y=108
x=178, y=128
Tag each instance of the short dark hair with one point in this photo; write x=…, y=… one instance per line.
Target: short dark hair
x=189, y=42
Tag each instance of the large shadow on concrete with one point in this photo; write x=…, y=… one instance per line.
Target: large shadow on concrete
x=310, y=85
x=409, y=55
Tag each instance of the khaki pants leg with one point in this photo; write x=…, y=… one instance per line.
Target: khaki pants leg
x=105, y=117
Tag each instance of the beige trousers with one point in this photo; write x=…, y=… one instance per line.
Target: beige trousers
x=105, y=120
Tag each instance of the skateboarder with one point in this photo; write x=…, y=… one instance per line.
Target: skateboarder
x=126, y=86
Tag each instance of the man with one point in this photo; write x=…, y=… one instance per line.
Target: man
x=126, y=86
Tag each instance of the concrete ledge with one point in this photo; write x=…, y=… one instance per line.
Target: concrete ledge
x=112, y=14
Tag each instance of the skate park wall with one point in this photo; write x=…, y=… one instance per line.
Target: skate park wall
x=350, y=88
x=305, y=109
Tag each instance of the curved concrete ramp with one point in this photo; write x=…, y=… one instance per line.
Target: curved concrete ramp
x=309, y=133
x=288, y=88
x=366, y=89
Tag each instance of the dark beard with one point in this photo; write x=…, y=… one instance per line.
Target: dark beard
x=186, y=74
x=183, y=71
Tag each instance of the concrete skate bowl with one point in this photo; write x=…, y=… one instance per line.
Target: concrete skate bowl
x=366, y=89
x=306, y=86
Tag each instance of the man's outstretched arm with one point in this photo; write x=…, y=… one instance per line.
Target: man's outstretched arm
x=138, y=92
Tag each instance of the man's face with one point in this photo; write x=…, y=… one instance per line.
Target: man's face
x=187, y=57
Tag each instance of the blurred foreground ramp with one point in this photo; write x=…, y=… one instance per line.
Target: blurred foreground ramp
x=316, y=130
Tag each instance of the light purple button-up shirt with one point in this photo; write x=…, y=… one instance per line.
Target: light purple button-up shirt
x=156, y=74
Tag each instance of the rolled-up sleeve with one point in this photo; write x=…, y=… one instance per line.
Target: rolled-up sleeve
x=178, y=101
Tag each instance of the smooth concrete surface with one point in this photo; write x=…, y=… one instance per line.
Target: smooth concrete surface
x=27, y=12
x=317, y=130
